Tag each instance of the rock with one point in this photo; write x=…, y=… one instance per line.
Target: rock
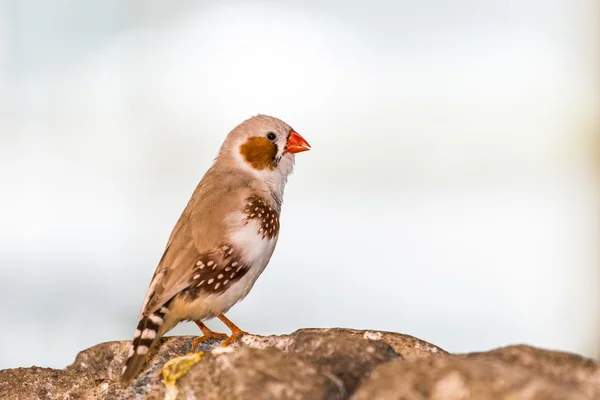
x=456, y=378
x=342, y=352
x=313, y=364
x=408, y=347
x=566, y=368
x=44, y=383
x=245, y=373
x=106, y=360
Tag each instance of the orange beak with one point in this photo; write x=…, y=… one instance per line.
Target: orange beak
x=296, y=143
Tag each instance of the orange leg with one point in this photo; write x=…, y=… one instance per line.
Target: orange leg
x=235, y=331
x=207, y=334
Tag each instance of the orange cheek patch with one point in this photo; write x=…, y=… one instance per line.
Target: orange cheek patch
x=259, y=152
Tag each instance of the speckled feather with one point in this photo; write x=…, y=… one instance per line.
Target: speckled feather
x=268, y=217
x=224, y=238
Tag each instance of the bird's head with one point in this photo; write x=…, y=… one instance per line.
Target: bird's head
x=264, y=146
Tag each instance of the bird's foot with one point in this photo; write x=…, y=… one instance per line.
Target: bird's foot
x=235, y=331
x=235, y=334
x=207, y=334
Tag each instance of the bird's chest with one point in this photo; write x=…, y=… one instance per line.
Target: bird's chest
x=254, y=244
x=253, y=252
x=225, y=277
x=254, y=231
x=254, y=238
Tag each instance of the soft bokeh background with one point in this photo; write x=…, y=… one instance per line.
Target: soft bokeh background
x=451, y=192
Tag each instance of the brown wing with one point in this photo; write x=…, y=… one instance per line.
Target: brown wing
x=199, y=232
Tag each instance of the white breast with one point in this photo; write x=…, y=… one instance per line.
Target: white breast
x=254, y=251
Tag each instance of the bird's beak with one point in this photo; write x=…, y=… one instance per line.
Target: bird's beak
x=296, y=143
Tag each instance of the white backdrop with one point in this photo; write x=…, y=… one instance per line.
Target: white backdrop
x=450, y=193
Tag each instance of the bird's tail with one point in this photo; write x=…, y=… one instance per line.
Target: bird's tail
x=146, y=335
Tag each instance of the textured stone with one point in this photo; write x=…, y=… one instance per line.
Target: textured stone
x=313, y=364
x=408, y=347
x=106, y=360
x=342, y=352
x=566, y=368
x=457, y=378
x=44, y=383
x=244, y=373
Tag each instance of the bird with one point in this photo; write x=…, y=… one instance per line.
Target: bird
x=223, y=240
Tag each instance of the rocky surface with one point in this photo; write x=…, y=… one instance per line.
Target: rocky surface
x=313, y=364
x=456, y=378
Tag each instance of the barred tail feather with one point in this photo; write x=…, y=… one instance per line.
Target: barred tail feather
x=146, y=335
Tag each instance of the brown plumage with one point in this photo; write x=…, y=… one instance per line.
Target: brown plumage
x=224, y=238
x=259, y=152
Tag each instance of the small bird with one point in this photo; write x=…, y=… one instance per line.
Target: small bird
x=224, y=238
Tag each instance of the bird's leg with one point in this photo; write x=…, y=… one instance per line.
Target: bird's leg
x=207, y=334
x=235, y=331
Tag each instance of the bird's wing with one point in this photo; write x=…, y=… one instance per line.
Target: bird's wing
x=199, y=231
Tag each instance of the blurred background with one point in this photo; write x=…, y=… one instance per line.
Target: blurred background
x=451, y=193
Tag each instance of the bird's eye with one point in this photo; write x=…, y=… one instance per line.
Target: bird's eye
x=271, y=136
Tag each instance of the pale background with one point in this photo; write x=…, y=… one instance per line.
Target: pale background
x=451, y=192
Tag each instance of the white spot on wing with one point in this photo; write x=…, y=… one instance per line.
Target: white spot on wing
x=253, y=252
